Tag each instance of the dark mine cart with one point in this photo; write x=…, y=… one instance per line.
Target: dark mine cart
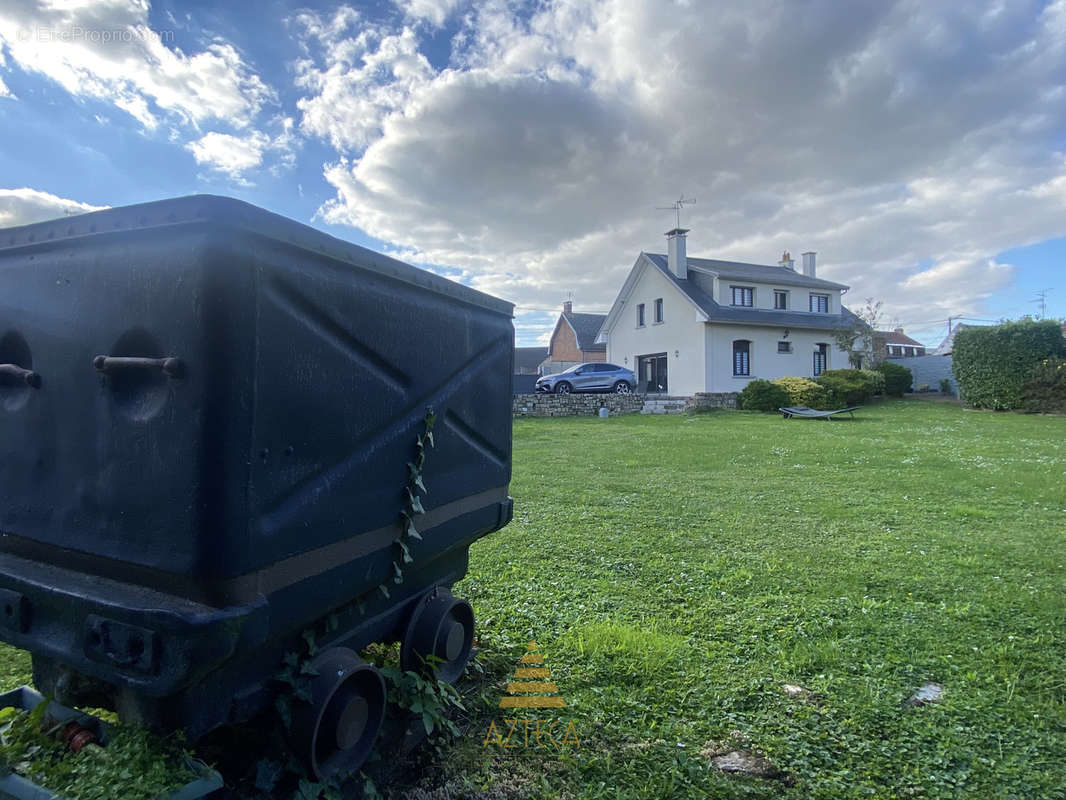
x=210, y=419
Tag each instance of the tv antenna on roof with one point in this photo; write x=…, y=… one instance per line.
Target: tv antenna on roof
x=680, y=203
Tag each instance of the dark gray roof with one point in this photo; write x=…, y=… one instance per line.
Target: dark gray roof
x=756, y=273
x=894, y=337
x=529, y=358
x=586, y=326
x=752, y=316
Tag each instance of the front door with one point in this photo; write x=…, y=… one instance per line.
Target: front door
x=651, y=373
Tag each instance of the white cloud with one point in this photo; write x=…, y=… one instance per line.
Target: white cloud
x=356, y=75
x=4, y=91
x=907, y=142
x=435, y=12
x=236, y=155
x=23, y=206
x=105, y=49
x=233, y=155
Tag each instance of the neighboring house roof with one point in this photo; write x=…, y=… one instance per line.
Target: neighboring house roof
x=896, y=337
x=585, y=327
x=528, y=358
x=948, y=345
x=715, y=312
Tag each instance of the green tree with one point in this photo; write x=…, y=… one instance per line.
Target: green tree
x=857, y=339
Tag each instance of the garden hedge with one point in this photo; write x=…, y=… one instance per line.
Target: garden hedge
x=898, y=378
x=876, y=379
x=1046, y=389
x=991, y=364
x=847, y=387
x=762, y=395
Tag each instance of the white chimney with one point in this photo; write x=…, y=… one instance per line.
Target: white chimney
x=786, y=261
x=808, y=263
x=676, y=258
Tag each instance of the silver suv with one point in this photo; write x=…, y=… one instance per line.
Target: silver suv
x=593, y=377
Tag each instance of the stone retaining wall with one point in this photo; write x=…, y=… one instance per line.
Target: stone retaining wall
x=704, y=400
x=576, y=405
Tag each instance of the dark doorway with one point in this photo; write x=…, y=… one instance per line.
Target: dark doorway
x=651, y=373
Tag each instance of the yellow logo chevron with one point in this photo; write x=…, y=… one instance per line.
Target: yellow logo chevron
x=540, y=693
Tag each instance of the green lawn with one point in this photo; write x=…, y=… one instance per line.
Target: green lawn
x=676, y=571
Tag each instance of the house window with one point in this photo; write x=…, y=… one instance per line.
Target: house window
x=742, y=357
x=659, y=310
x=743, y=295
x=780, y=300
x=784, y=347
x=640, y=315
x=821, y=352
x=820, y=303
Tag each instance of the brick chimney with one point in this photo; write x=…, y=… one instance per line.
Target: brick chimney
x=676, y=258
x=808, y=263
x=898, y=330
x=568, y=307
x=786, y=261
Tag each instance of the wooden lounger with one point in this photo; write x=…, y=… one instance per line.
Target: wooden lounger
x=810, y=413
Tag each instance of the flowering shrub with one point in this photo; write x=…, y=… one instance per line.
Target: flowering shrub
x=804, y=392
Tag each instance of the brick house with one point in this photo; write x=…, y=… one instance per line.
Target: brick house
x=574, y=341
x=896, y=344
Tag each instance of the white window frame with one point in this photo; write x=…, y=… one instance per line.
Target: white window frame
x=745, y=291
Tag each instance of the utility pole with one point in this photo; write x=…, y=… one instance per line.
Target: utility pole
x=1041, y=298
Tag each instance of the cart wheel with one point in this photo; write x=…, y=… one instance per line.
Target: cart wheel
x=441, y=626
x=336, y=732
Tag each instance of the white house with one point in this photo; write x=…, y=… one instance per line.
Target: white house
x=687, y=325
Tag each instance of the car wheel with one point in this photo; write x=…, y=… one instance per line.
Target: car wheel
x=622, y=387
x=563, y=388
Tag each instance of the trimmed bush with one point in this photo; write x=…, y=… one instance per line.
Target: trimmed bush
x=992, y=364
x=1046, y=390
x=846, y=387
x=804, y=392
x=898, y=378
x=762, y=395
x=876, y=379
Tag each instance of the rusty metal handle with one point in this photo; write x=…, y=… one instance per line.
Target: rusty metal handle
x=30, y=377
x=171, y=367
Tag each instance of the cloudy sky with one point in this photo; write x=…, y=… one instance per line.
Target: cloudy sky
x=525, y=147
